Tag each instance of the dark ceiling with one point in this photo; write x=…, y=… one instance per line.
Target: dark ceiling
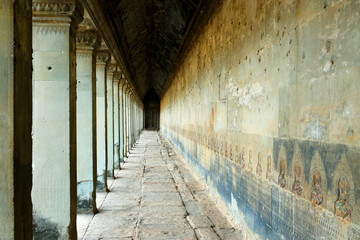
x=150, y=32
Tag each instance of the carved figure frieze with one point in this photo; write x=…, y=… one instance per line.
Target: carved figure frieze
x=243, y=164
x=250, y=161
x=345, y=194
x=316, y=194
x=236, y=154
x=258, y=167
x=226, y=150
x=281, y=178
x=342, y=208
x=269, y=168
x=296, y=187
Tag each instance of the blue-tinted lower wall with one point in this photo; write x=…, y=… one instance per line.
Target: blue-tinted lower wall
x=269, y=211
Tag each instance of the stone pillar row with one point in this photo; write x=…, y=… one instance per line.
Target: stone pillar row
x=66, y=118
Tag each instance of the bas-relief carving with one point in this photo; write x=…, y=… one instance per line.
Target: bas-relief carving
x=226, y=150
x=250, y=161
x=297, y=173
x=319, y=181
x=236, y=155
x=258, y=167
x=282, y=166
x=243, y=164
x=313, y=192
x=296, y=188
x=282, y=172
x=316, y=194
x=269, y=174
x=341, y=206
x=345, y=195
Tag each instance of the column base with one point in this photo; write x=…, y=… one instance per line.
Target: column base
x=44, y=228
x=116, y=155
x=116, y=163
x=100, y=184
x=110, y=173
x=84, y=197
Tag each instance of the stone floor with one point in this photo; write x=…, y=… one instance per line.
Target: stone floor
x=155, y=197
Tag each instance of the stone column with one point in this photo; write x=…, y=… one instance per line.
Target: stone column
x=85, y=59
x=101, y=60
x=129, y=122
x=135, y=119
x=131, y=119
x=111, y=67
x=126, y=121
x=15, y=120
x=121, y=118
x=124, y=118
x=54, y=118
x=116, y=120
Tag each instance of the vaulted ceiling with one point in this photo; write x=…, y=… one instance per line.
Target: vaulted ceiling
x=150, y=33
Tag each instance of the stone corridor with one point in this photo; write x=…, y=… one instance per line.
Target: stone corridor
x=155, y=196
x=179, y=119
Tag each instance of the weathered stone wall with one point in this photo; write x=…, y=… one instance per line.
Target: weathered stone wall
x=264, y=103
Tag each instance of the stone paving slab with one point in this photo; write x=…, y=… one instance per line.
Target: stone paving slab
x=199, y=221
x=206, y=234
x=155, y=197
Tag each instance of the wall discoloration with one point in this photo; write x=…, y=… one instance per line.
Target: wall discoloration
x=45, y=229
x=279, y=79
x=84, y=196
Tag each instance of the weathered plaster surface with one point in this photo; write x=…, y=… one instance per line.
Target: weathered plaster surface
x=84, y=129
x=51, y=128
x=100, y=121
x=116, y=123
x=121, y=111
x=110, y=126
x=265, y=86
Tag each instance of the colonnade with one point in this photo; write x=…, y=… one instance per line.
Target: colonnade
x=68, y=117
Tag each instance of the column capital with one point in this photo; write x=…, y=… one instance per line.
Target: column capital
x=122, y=80
x=117, y=76
x=110, y=68
x=102, y=56
x=57, y=12
x=127, y=87
x=87, y=40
